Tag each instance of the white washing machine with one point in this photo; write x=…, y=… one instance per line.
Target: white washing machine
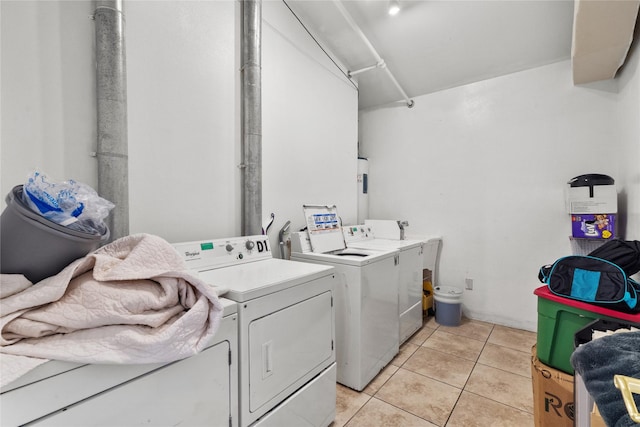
x=367, y=334
x=394, y=230
x=286, y=331
x=199, y=390
x=410, y=276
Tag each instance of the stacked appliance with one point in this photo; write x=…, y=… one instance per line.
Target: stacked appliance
x=286, y=329
x=199, y=390
x=367, y=329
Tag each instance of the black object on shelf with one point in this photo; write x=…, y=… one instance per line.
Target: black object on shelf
x=589, y=180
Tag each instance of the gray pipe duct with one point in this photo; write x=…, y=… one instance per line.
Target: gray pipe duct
x=112, y=151
x=251, y=117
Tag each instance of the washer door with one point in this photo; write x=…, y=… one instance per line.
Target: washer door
x=286, y=345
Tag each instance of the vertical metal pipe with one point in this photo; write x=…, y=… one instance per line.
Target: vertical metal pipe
x=112, y=150
x=251, y=117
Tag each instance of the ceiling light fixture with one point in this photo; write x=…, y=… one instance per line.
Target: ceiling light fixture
x=394, y=7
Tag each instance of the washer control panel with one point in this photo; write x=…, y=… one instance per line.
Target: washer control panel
x=208, y=254
x=357, y=233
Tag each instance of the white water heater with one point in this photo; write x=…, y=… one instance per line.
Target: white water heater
x=363, y=189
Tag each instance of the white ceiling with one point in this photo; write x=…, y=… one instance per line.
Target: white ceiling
x=433, y=45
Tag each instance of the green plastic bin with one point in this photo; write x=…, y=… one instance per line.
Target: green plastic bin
x=558, y=321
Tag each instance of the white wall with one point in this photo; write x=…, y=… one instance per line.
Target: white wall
x=627, y=114
x=183, y=72
x=48, y=91
x=183, y=101
x=484, y=165
x=310, y=130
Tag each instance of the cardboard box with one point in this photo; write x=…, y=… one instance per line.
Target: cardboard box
x=553, y=404
x=603, y=198
x=602, y=34
x=596, y=418
x=593, y=226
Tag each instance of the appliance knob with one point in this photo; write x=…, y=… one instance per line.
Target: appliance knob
x=249, y=244
x=229, y=247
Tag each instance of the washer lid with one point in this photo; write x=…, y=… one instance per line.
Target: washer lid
x=350, y=256
x=323, y=225
x=386, y=244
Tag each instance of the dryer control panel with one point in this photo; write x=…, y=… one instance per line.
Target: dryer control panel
x=208, y=254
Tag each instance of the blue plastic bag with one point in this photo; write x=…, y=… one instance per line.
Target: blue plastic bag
x=70, y=203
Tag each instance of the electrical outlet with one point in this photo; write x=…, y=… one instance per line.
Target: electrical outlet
x=469, y=284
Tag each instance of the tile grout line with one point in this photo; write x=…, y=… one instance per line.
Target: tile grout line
x=500, y=403
x=401, y=367
x=463, y=389
x=475, y=363
x=359, y=409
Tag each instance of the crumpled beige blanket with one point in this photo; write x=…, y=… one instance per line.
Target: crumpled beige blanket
x=132, y=301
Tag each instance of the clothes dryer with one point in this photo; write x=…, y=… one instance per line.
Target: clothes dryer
x=286, y=329
x=199, y=390
x=367, y=331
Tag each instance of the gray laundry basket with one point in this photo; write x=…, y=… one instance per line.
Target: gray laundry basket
x=36, y=247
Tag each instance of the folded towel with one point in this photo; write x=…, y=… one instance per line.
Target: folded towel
x=598, y=361
x=131, y=301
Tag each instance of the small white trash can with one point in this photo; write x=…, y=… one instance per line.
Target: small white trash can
x=448, y=305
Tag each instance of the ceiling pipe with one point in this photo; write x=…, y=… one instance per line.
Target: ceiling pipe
x=112, y=145
x=251, y=117
x=362, y=70
x=379, y=61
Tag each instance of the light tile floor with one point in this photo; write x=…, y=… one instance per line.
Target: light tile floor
x=475, y=374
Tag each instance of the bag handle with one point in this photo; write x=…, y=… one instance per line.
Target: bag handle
x=543, y=274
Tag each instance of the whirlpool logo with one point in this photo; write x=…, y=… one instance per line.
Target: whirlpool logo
x=192, y=254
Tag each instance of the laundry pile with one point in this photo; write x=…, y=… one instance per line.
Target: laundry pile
x=130, y=302
x=598, y=361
